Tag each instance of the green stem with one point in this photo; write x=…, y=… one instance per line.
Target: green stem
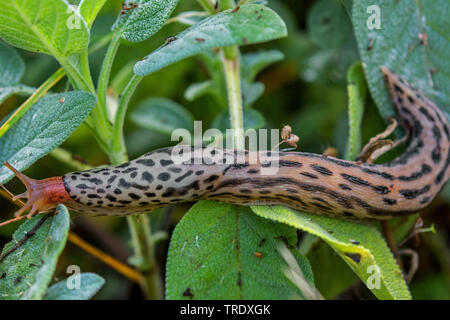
x=105, y=73
x=141, y=235
x=118, y=148
x=208, y=5
x=100, y=43
x=227, y=4
x=231, y=65
x=39, y=93
x=144, y=249
x=144, y=256
x=67, y=158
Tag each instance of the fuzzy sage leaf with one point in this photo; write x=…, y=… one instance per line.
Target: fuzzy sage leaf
x=140, y=19
x=47, y=26
x=361, y=246
x=26, y=270
x=408, y=38
x=90, y=284
x=223, y=251
x=47, y=124
x=250, y=24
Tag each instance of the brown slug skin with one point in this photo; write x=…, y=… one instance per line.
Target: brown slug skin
x=304, y=181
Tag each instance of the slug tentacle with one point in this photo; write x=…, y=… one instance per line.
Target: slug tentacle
x=43, y=195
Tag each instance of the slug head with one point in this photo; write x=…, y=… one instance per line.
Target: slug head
x=42, y=195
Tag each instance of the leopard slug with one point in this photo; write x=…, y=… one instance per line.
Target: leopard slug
x=304, y=181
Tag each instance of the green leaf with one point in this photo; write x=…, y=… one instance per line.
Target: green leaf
x=356, y=97
x=251, y=92
x=361, y=246
x=326, y=264
x=253, y=63
x=26, y=272
x=12, y=69
x=48, y=26
x=90, y=284
x=12, y=66
x=214, y=253
x=89, y=10
x=44, y=127
x=397, y=45
x=189, y=18
x=328, y=23
x=201, y=89
x=140, y=23
x=253, y=119
x=162, y=115
x=251, y=24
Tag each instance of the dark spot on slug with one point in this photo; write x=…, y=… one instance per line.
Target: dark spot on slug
x=111, y=198
x=381, y=189
x=169, y=192
x=166, y=163
x=146, y=162
x=112, y=179
x=187, y=174
x=412, y=194
x=211, y=178
x=309, y=175
x=390, y=202
x=147, y=176
x=134, y=196
x=175, y=170
x=129, y=170
x=355, y=180
x=164, y=176
x=290, y=164
x=321, y=170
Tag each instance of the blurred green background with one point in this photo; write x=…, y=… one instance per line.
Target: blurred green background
x=306, y=90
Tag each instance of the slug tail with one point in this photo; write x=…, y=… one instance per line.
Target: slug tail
x=42, y=195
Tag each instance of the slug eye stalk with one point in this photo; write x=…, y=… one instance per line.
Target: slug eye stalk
x=42, y=195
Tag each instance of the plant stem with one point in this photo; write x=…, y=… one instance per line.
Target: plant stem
x=67, y=158
x=105, y=73
x=231, y=65
x=144, y=256
x=227, y=4
x=141, y=236
x=208, y=5
x=97, y=120
x=118, y=150
x=144, y=250
x=39, y=93
x=100, y=43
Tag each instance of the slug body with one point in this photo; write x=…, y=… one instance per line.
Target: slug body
x=304, y=181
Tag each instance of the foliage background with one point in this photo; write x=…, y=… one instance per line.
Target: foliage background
x=307, y=90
